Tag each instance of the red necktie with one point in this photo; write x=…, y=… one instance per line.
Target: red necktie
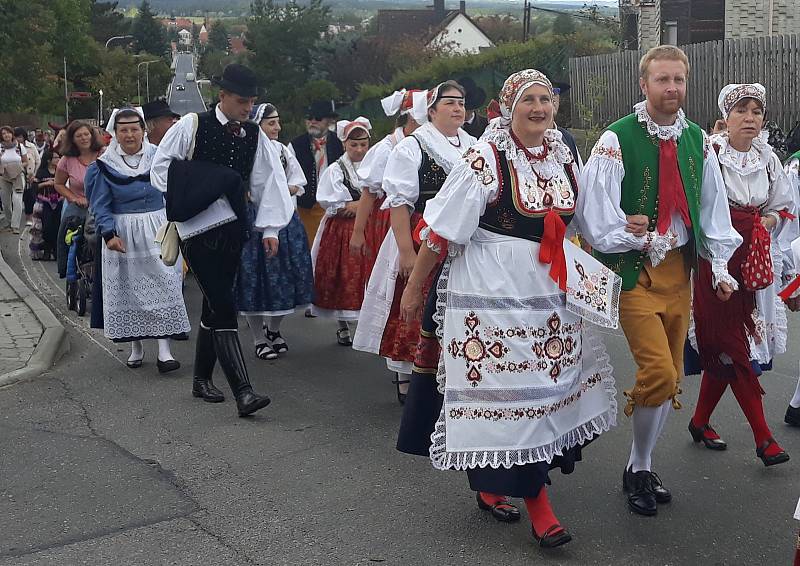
x=671, y=195
x=319, y=146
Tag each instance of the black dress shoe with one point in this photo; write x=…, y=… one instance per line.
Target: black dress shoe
x=248, y=402
x=167, y=366
x=229, y=354
x=792, y=416
x=778, y=458
x=550, y=540
x=504, y=511
x=661, y=493
x=698, y=435
x=641, y=498
x=205, y=357
x=205, y=390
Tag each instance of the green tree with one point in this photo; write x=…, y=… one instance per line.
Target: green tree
x=283, y=39
x=218, y=36
x=106, y=21
x=563, y=24
x=148, y=33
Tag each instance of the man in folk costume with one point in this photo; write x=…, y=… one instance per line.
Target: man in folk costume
x=652, y=198
x=207, y=163
x=315, y=150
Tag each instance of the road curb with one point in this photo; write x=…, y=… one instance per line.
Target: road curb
x=52, y=344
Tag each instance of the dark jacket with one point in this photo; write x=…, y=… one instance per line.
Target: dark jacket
x=305, y=156
x=192, y=186
x=477, y=127
x=570, y=141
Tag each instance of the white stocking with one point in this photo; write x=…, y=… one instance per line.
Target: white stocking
x=666, y=410
x=164, y=353
x=274, y=323
x=137, y=351
x=256, y=324
x=646, y=422
x=403, y=387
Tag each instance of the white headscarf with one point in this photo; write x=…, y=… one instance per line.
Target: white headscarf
x=731, y=94
x=258, y=113
x=113, y=155
x=423, y=101
x=345, y=127
x=399, y=101
x=113, y=119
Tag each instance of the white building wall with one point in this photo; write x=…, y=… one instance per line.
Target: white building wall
x=463, y=36
x=750, y=18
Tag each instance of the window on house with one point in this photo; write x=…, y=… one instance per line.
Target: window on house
x=671, y=33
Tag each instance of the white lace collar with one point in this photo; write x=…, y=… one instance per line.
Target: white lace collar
x=436, y=144
x=742, y=162
x=114, y=157
x=672, y=132
x=558, y=154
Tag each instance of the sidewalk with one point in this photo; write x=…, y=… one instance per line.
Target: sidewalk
x=31, y=337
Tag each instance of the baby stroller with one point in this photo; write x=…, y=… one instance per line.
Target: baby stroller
x=80, y=264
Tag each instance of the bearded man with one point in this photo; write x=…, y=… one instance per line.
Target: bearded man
x=315, y=150
x=652, y=199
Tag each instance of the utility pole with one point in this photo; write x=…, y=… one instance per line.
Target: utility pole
x=526, y=21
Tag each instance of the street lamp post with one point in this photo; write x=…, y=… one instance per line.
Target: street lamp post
x=138, y=84
x=100, y=109
x=110, y=39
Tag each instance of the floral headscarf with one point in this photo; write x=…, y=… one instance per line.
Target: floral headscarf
x=730, y=96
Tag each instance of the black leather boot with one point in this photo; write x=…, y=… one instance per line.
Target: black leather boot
x=205, y=357
x=229, y=352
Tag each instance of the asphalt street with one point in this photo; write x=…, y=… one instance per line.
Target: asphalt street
x=188, y=100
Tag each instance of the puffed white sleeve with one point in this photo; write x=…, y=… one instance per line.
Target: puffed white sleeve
x=275, y=208
x=294, y=173
x=175, y=145
x=332, y=195
x=719, y=239
x=401, y=179
x=455, y=212
x=783, y=198
x=372, y=168
x=600, y=216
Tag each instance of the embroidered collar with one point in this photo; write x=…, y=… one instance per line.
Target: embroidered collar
x=672, y=132
x=742, y=162
x=436, y=144
x=547, y=161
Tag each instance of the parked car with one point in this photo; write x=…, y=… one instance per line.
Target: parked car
x=189, y=77
x=180, y=87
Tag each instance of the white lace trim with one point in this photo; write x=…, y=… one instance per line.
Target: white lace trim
x=444, y=460
x=558, y=154
x=671, y=132
x=660, y=245
x=742, y=162
x=439, y=148
x=719, y=274
x=423, y=236
x=396, y=201
x=335, y=208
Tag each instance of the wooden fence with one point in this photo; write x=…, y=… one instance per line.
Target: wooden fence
x=605, y=87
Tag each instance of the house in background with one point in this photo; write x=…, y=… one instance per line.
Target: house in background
x=202, y=35
x=436, y=26
x=185, y=37
x=647, y=23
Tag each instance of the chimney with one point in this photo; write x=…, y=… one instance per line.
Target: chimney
x=438, y=8
x=462, y=7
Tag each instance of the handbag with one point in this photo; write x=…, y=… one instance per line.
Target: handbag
x=757, y=270
x=170, y=242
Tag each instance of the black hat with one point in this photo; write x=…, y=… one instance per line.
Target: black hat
x=475, y=95
x=237, y=79
x=322, y=109
x=157, y=109
x=561, y=87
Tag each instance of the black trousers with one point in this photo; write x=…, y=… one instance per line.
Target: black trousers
x=214, y=258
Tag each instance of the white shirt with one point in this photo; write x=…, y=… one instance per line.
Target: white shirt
x=401, y=179
x=602, y=220
x=34, y=159
x=268, y=185
x=332, y=194
x=373, y=166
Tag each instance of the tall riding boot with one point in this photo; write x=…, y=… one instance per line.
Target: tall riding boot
x=205, y=357
x=229, y=351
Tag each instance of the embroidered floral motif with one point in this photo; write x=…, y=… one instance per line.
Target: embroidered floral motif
x=474, y=349
x=614, y=153
x=592, y=289
x=478, y=164
x=519, y=413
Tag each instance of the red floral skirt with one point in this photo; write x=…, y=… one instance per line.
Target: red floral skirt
x=339, y=276
x=378, y=226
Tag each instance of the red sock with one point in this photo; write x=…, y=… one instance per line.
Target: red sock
x=492, y=499
x=748, y=394
x=711, y=391
x=541, y=514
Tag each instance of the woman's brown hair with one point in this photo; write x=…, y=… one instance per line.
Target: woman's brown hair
x=68, y=147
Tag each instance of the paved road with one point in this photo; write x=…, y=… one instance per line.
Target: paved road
x=100, y=464
x=189, y=100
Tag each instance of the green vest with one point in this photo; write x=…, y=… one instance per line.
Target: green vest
x=640, y=185
x=795, y=155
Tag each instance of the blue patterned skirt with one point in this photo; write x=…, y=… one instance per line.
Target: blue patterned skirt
x=275, y=286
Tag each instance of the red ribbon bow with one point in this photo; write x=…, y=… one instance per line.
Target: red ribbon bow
x=234, y=127
x=790, y=289
x=551, y=249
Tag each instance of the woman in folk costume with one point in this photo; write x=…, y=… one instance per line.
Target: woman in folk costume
x=415, y=171
x=372, y=222
x=735, y=339
x=269, y=288
x=791, y=294
x=142, y=297
x=339, y=276
x=525, y=381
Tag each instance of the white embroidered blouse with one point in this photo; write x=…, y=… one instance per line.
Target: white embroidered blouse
x=332, y=195
x=373, y=166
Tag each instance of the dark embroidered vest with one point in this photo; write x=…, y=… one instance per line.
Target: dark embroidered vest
x=348, y=183
x=431, y=178
x=215, y=144
x=504, y=216
x=305, y=157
